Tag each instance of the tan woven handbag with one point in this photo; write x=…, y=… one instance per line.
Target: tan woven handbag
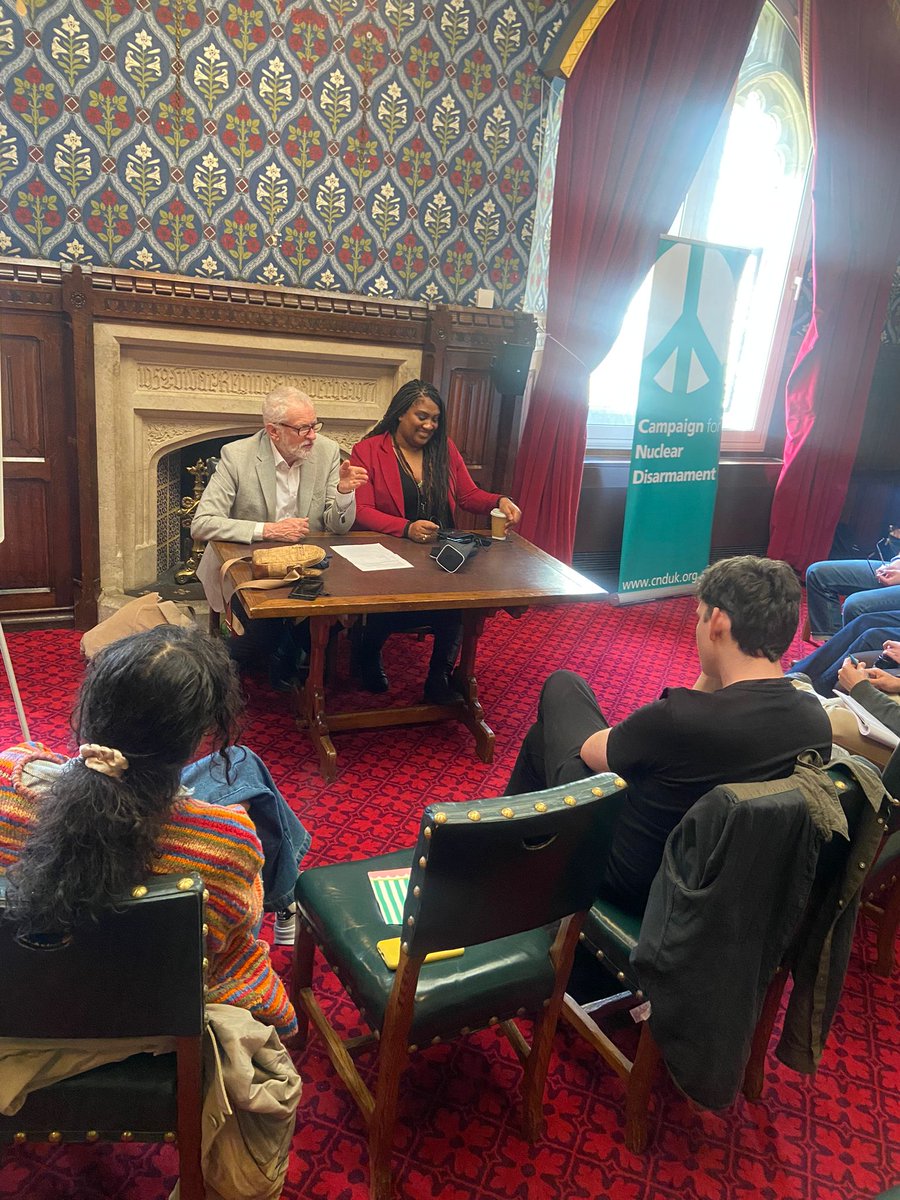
x=277, y=561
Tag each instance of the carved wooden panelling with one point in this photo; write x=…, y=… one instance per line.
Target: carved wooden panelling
x=22, y=388
x=40, y=471
x=472, y=417
x=25, y=554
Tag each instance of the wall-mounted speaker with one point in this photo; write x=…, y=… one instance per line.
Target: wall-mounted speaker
x=509, y=369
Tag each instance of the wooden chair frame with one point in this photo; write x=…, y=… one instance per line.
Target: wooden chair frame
x=380, y=1111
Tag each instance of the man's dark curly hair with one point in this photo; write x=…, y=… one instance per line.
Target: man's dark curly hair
x=762, y=598
x=154, y=696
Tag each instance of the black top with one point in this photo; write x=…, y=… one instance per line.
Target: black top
x=412, y=497
x=674, y=750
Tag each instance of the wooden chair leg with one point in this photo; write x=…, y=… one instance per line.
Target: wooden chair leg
x=561, y=953
x=301, y=978
x=393, y=1053
x=190, y=1102
x=886, y=927
x=637, y=1098
x=754, y=1072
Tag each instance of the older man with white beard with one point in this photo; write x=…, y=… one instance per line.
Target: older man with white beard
x=279, y=485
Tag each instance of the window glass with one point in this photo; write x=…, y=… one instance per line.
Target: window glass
x=750, y=191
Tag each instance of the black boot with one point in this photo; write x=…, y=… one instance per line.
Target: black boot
x=366, y=661
x=447, y=636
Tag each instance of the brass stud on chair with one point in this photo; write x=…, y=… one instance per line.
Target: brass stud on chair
x=540, y=806
x=205, y=929
x=599, y=955
x=465, y=1031
x=54, y=1137
x=620, y=975
x=619, y=782
x=205, y=896
x=427, y=831
x=473, y=814
x=581, y=936
x=440, y=818
x=139, y=892
x=410, y=921
x=840, y=785
x=862, y=866
x=185, y=884
x=417, y=891
x=436, y=1041
x=493, y=1021
x=205, y=964
x=169, y=1137
x=411, y=1049
x=520, y=1012
x=423, y=862
x=596, y=791
x=405, y=947
x=507, y=812
x=91, y=1136
x=127, y=1135
x=20, y=1137
x=570, y=800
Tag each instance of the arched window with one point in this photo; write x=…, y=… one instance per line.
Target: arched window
x=751, y=190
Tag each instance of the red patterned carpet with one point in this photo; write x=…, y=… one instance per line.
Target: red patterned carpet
x=832, y=1138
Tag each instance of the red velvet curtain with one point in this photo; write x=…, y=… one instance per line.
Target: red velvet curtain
x=639, y=111
x=853, y=51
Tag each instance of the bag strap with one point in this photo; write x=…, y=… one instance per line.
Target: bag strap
x=262, y=585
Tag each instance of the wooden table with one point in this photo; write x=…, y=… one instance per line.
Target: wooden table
x=512, y=575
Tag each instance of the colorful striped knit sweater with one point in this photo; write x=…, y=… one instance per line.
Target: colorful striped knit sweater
x=217, y=842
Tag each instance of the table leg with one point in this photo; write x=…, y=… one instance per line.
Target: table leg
x=311, y=701
x=472, y=714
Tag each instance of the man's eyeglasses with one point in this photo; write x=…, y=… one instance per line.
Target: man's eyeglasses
x=302, y=430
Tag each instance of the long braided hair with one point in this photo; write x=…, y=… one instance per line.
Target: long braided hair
x=436, y=482
x=153, y=696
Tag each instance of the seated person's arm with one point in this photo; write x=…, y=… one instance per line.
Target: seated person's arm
x=213, y=521
x=367, y=515
x=594, y=751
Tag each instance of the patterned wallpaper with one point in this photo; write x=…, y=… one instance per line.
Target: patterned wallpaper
x=387, y=147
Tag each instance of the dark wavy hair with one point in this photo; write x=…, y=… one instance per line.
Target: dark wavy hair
x=154, y=696
x=436, y=482
x=762, y=598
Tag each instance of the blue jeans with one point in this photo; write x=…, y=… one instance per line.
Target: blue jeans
x=865, y=633
x=284, y=840
x=854, y=578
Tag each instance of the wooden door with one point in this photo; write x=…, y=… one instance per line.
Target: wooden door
x=40, y=549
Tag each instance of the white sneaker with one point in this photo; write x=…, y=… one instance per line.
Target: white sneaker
x=285, y=927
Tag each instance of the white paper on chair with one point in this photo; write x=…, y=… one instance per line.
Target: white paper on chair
x=869, y=726
x=371, y=557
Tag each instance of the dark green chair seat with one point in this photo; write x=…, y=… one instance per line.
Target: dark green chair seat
x=138, y=1094
x=486, y=984
x=493, y=876
x=610, y=933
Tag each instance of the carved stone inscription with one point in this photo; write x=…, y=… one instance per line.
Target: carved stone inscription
x=218, y=381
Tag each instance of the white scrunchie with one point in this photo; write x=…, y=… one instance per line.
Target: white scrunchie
x=100, y=758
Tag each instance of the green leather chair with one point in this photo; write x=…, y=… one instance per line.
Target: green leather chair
x=135, y=972
x=493, y=876
x=611, y=934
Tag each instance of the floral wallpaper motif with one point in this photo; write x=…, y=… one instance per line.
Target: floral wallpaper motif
x=388, y=147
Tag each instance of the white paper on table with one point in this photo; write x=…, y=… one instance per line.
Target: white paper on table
x=372, y=557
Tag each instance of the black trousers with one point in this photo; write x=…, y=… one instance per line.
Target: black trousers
x=550, y=755
x=263, y=638
x=446, y=625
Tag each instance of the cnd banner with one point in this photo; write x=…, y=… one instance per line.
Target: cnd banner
x=675, y=453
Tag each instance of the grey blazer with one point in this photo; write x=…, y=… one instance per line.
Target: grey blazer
x=241, y=492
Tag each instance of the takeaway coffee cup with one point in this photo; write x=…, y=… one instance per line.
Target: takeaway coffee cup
x=498, y=524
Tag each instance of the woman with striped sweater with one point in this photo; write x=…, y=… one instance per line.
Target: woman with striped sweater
x=75, y=834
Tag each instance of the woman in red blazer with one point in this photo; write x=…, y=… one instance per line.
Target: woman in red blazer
x=417, y=481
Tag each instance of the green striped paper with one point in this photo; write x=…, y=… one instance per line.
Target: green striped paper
x=390, y=888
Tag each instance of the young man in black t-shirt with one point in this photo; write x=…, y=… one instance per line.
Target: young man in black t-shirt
x=741, y=722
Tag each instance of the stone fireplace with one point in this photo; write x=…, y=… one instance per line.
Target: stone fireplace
x=162, y=388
